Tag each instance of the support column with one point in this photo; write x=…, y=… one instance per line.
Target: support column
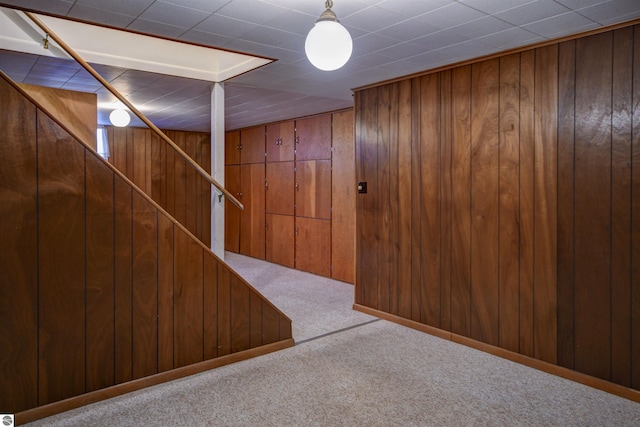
x=217, y=168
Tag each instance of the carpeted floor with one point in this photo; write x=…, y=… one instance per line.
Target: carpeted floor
x=350, y=369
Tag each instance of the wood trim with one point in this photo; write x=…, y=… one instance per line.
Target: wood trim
x=597, y=383
x=502, y=53
x=163, y=377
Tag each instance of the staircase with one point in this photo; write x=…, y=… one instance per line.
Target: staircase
x=101, y=291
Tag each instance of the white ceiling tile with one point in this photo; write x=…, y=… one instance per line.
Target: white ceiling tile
x=61, y=7
x=452, y=15
x=207, y=39
x=531, y=12
x=225, y=26
x=510, y=38
x=412, y=8
x=482, y=27
x=172, y=14
x=250, y=11
x=125, y=7
x=205, y=5
x=560, y=25
x=158, y=28
x=91, y=14
x=494, y=6
x=372, y=42
x=372, y=19
x=612, y=10
x=409, y=29
x=270, y=36
x=579, y=4
x=294, y=22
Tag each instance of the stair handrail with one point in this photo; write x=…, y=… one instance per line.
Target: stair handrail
x=133, y=109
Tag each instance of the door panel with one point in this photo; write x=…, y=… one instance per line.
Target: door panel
x=252, y=232
x=232, y=213
x=313, y=194
x=313, y=138
x=280, y=188
x=280, y=142
x=252, y=141
x=313, y=246
x=280, y=239
x=232, y=147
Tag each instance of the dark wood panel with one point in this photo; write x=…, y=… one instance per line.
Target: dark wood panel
x=165, y=293
x=461, y=202
x=224, y=310
x=509, y=215
x=430, y=207
x=621, y=206
x=270, y=324
x=635, y=215
x=446, y=151
x=99, y=275
x=255, y=319
x=191, y=185
x=593, y=206
x=566, y=141
x=145, y=287
x=232, y=147
x=313, y=189
x=394, y=198
x=280, y=246
x=139, y=164
x=280, y=141
x=280, y=188
x=253, y=145
x=240, y=315
x=383, y=197
x=416, y=193
x=210, y=295
x=252, y=229
x=527, y=89
x=343, y=198
x=203, y=194
x=485, y=98
x=188, y=296
x=180, y=167
x=231, y=213
x=18, y=210
x=61, y=267
x=123, y=281
x=313, y=245
x=404, y=190
x=313, y=138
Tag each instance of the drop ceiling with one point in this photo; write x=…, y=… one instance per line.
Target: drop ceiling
x=392, y=38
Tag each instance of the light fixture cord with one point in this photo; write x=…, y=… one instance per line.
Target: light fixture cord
x=328, y=4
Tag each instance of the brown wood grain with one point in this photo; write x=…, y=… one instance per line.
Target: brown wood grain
x=138, y=160
x=191, y=185
x=99, y=275
x=19, y=266
x=180, y=166
x=313, y=245
x=485, y=98
x=635, y=215
x=446, y=150
x=430, y=206
x=231, y=215
x=509, y=202
x=621, y=124
x=313, y=138
x=394, y=199
x=280, y=188
x=188, y=297
x=280, y=141
x=383, y=196
x=461, y=202
x=343, y=198
x=224, y=310
x=145, y=287
x=527, y=94
x=255, y=319
x=280, y=239
x=231, y=147
x=61, y=267
x=253, y=145
x=270, y=324
x=240, y=315
x=210, y=304
x=165, y=292
x=566, y=142
x=252, y=226
x=313, y=189
x=416, y=193
x=593, y=206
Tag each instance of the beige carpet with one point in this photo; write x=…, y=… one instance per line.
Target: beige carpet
x=349, y=369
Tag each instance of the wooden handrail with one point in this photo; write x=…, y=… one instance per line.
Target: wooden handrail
x=131, y=107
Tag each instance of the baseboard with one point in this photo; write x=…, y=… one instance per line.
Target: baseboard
x=163, y=377
x=600, y=384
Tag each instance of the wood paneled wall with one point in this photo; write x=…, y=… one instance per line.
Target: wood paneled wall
x=164, y=175
x=503, y=202
x=98, y=285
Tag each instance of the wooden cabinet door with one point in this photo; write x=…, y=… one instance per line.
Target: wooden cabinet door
x=232, y=147
x=313, y=246
x=252, y=141
x=231, y=212
x=313, y=189
x=280, y=188
x=280, y=239
x=343, y=198
x=280, y=141
x=313, y=138
x=252, y=231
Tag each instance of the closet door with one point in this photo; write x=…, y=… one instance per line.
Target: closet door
x=280, y=239
x=280, y=188
x=280, y=141
x=252, y=218
x=232, y=147
x=313, y=138
x=313, y=189
x=252, y=141
x=313, y=245
x=232, y=213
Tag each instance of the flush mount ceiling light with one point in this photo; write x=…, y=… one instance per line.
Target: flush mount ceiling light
x=328, y=44
x=119, y=118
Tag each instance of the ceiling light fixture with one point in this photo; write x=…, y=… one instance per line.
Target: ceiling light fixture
x=119, y=118
x=328, y=44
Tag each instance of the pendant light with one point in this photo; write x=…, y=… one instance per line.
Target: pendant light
x=119, y=117
x=328, y=45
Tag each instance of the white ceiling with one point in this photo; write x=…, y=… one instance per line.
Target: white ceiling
x=392, y=38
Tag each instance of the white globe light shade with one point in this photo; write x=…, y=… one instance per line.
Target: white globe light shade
x=328, y=45
x=119, y=118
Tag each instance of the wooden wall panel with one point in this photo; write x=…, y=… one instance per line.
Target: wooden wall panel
x=253, y=145
x=280, y=239
x=593, y=206
x=61, y=255
x=252, y=230
x=166, y=250
x=343, y=195
x=515, y=214
x=224, y=310
x=240, y=315
x=232, y=147
x=280, y=190
x=231, y=214
x=313, y=138
x=313, y=245
x=18, y=227
x=313, y=189
x=100, y=279
x=210, y=295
